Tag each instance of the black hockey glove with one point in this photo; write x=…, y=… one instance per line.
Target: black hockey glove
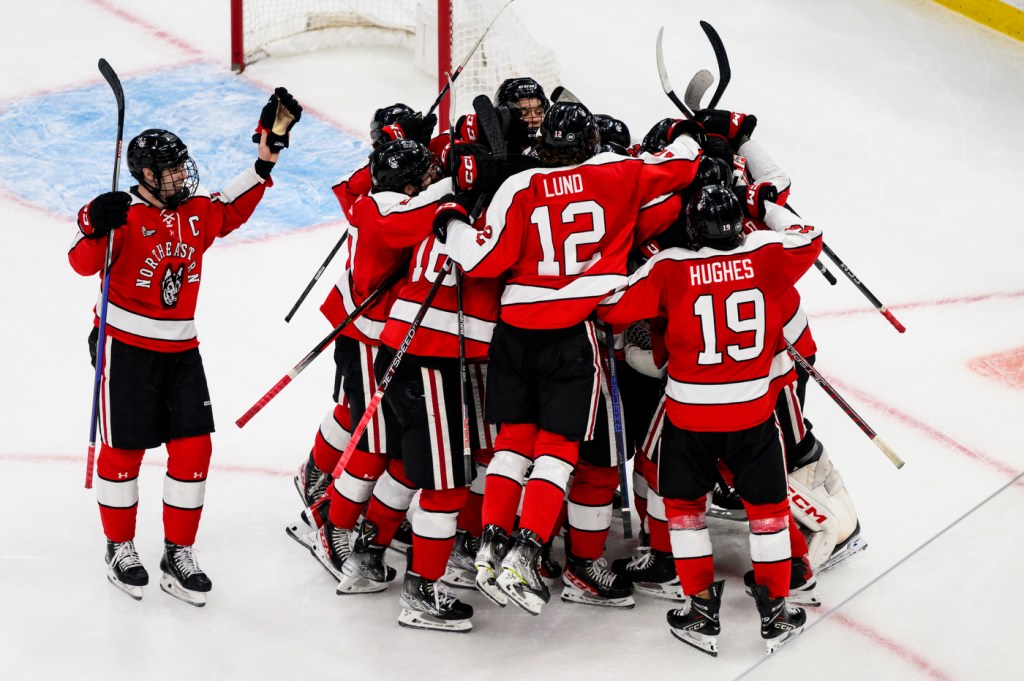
x=279, y=116
x=717, y=147
x=451, y=207
x=105, y=213
x=414, y=127
x=682, y=126
x=734, y=127
x=754, y=198
x=476, y=169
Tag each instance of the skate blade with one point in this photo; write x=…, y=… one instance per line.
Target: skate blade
x=855, y=546
x=702, y=642
x=672, y=591
x=420, y=620
x=459, y=578
x=514, y=588
x=734, y=514
x=399, y=547
x=348, y=585
x=773, y=644
x=134, y=591
x=322, y=558
x=170, y=586
x=486, y=585
x=573, y=595
x=298, y=488
x=804, y=598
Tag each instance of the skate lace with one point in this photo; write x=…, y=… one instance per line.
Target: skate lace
x=339, y=543
x=599, y=572
x=125, y=556
x=443, y=597
x=641, y=561
x=185, y=561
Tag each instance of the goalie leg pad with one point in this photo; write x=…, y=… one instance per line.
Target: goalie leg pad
x=822, y=507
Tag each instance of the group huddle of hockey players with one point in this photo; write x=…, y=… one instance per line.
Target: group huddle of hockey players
x=504, y=282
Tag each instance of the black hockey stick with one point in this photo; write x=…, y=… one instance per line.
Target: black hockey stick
x=316, y=277
x=863, y=289
x=620, y=440
x=845, y=406
x=724, y=72
x=391, y=280
x=465, y=60
x=94, y=414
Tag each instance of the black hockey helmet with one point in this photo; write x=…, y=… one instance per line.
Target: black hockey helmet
x=398, y=163
x=656, y=138
x=614, y=134
x=160, y=150
x=713, y=170
x=714, y=218
x=386, y=116
x=568, y=135
x=512, y=90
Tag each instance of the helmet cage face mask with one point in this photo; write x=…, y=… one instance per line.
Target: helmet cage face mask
x=175, y=175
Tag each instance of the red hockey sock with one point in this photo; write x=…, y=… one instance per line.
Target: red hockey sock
x=797, y=541
x=188, y=462
x=590, y=508
x=117, y=491
x=332, y=438
x=691, y=543
x=390, y=502
x=433, y=528
x=554, y=460
x=506, y=474
x=352, y=489
x=657, y=523
x=769, y=545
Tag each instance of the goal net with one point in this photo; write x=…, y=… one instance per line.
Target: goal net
x=268, y=28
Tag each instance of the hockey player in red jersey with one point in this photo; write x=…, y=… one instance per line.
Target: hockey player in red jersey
x=727, y=363
x=526, y=104
x=561, y=233
x=153, y=386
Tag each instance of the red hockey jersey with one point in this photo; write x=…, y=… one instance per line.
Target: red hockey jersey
x=564, y=233
x=157, y=262
x=383, y=228
x=438, y=334
x=727, y=360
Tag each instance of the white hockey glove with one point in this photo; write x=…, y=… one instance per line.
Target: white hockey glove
x=638, y=351
x=822, y=507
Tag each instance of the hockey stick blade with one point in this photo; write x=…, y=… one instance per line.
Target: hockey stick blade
x=699, y=85
x=666, y=85
x=563, y=94
x=724, y=72
x=487, y=117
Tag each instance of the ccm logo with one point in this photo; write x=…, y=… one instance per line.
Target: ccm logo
x=806, y=506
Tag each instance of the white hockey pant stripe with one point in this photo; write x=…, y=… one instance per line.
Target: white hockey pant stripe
x=117, y=493
x=187, y=494
x=590, y=518
x=437, y=418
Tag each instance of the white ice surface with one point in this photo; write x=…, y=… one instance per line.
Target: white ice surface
x=898, y=121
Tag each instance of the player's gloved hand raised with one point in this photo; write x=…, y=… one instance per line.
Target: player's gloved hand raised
x=477, y=169
x=278, y=117
x=733, y=126
x=450, y=207
x=679, y=127
x=414, y=127
x=105, y=213
x=754, y=198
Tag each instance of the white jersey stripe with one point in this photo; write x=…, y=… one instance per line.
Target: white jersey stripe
x=729, y=393
x=796, y=326
x=581, y=287
x=147, y=327
x=443, y=321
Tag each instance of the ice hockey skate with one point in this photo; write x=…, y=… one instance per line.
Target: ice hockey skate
x=402, y=541
x=519, y=578
x=696, y=623
x=431, y=605
x=302, y=533
x=126, y=571
x=591, y=582
x=182, y=577
x=493, y=546
x=364, y=571
x=844, y=549
x=331, y=547
x=311, y=482
x=802, y=584
x=461, y=570
x=652, y=573
x=780, y=621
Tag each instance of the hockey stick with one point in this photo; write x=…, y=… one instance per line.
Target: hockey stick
x=465, y=60
x=620, y=442
x=316, y=277
x=666, y=85
x=698, y=85
x=382, y=385
x=392, y=279
x=863, y=289
x=563, y=94
x=724, y=72
x=845, y=406
x=101, y=340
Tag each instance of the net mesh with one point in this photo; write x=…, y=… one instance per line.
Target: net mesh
x=282, y=27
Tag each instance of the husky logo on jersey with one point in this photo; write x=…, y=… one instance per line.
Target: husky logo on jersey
x=147, y=232
x=170, y=285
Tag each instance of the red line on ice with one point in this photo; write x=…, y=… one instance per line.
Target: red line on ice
x=150, y=28
x=893, y=647
x=157, y=461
